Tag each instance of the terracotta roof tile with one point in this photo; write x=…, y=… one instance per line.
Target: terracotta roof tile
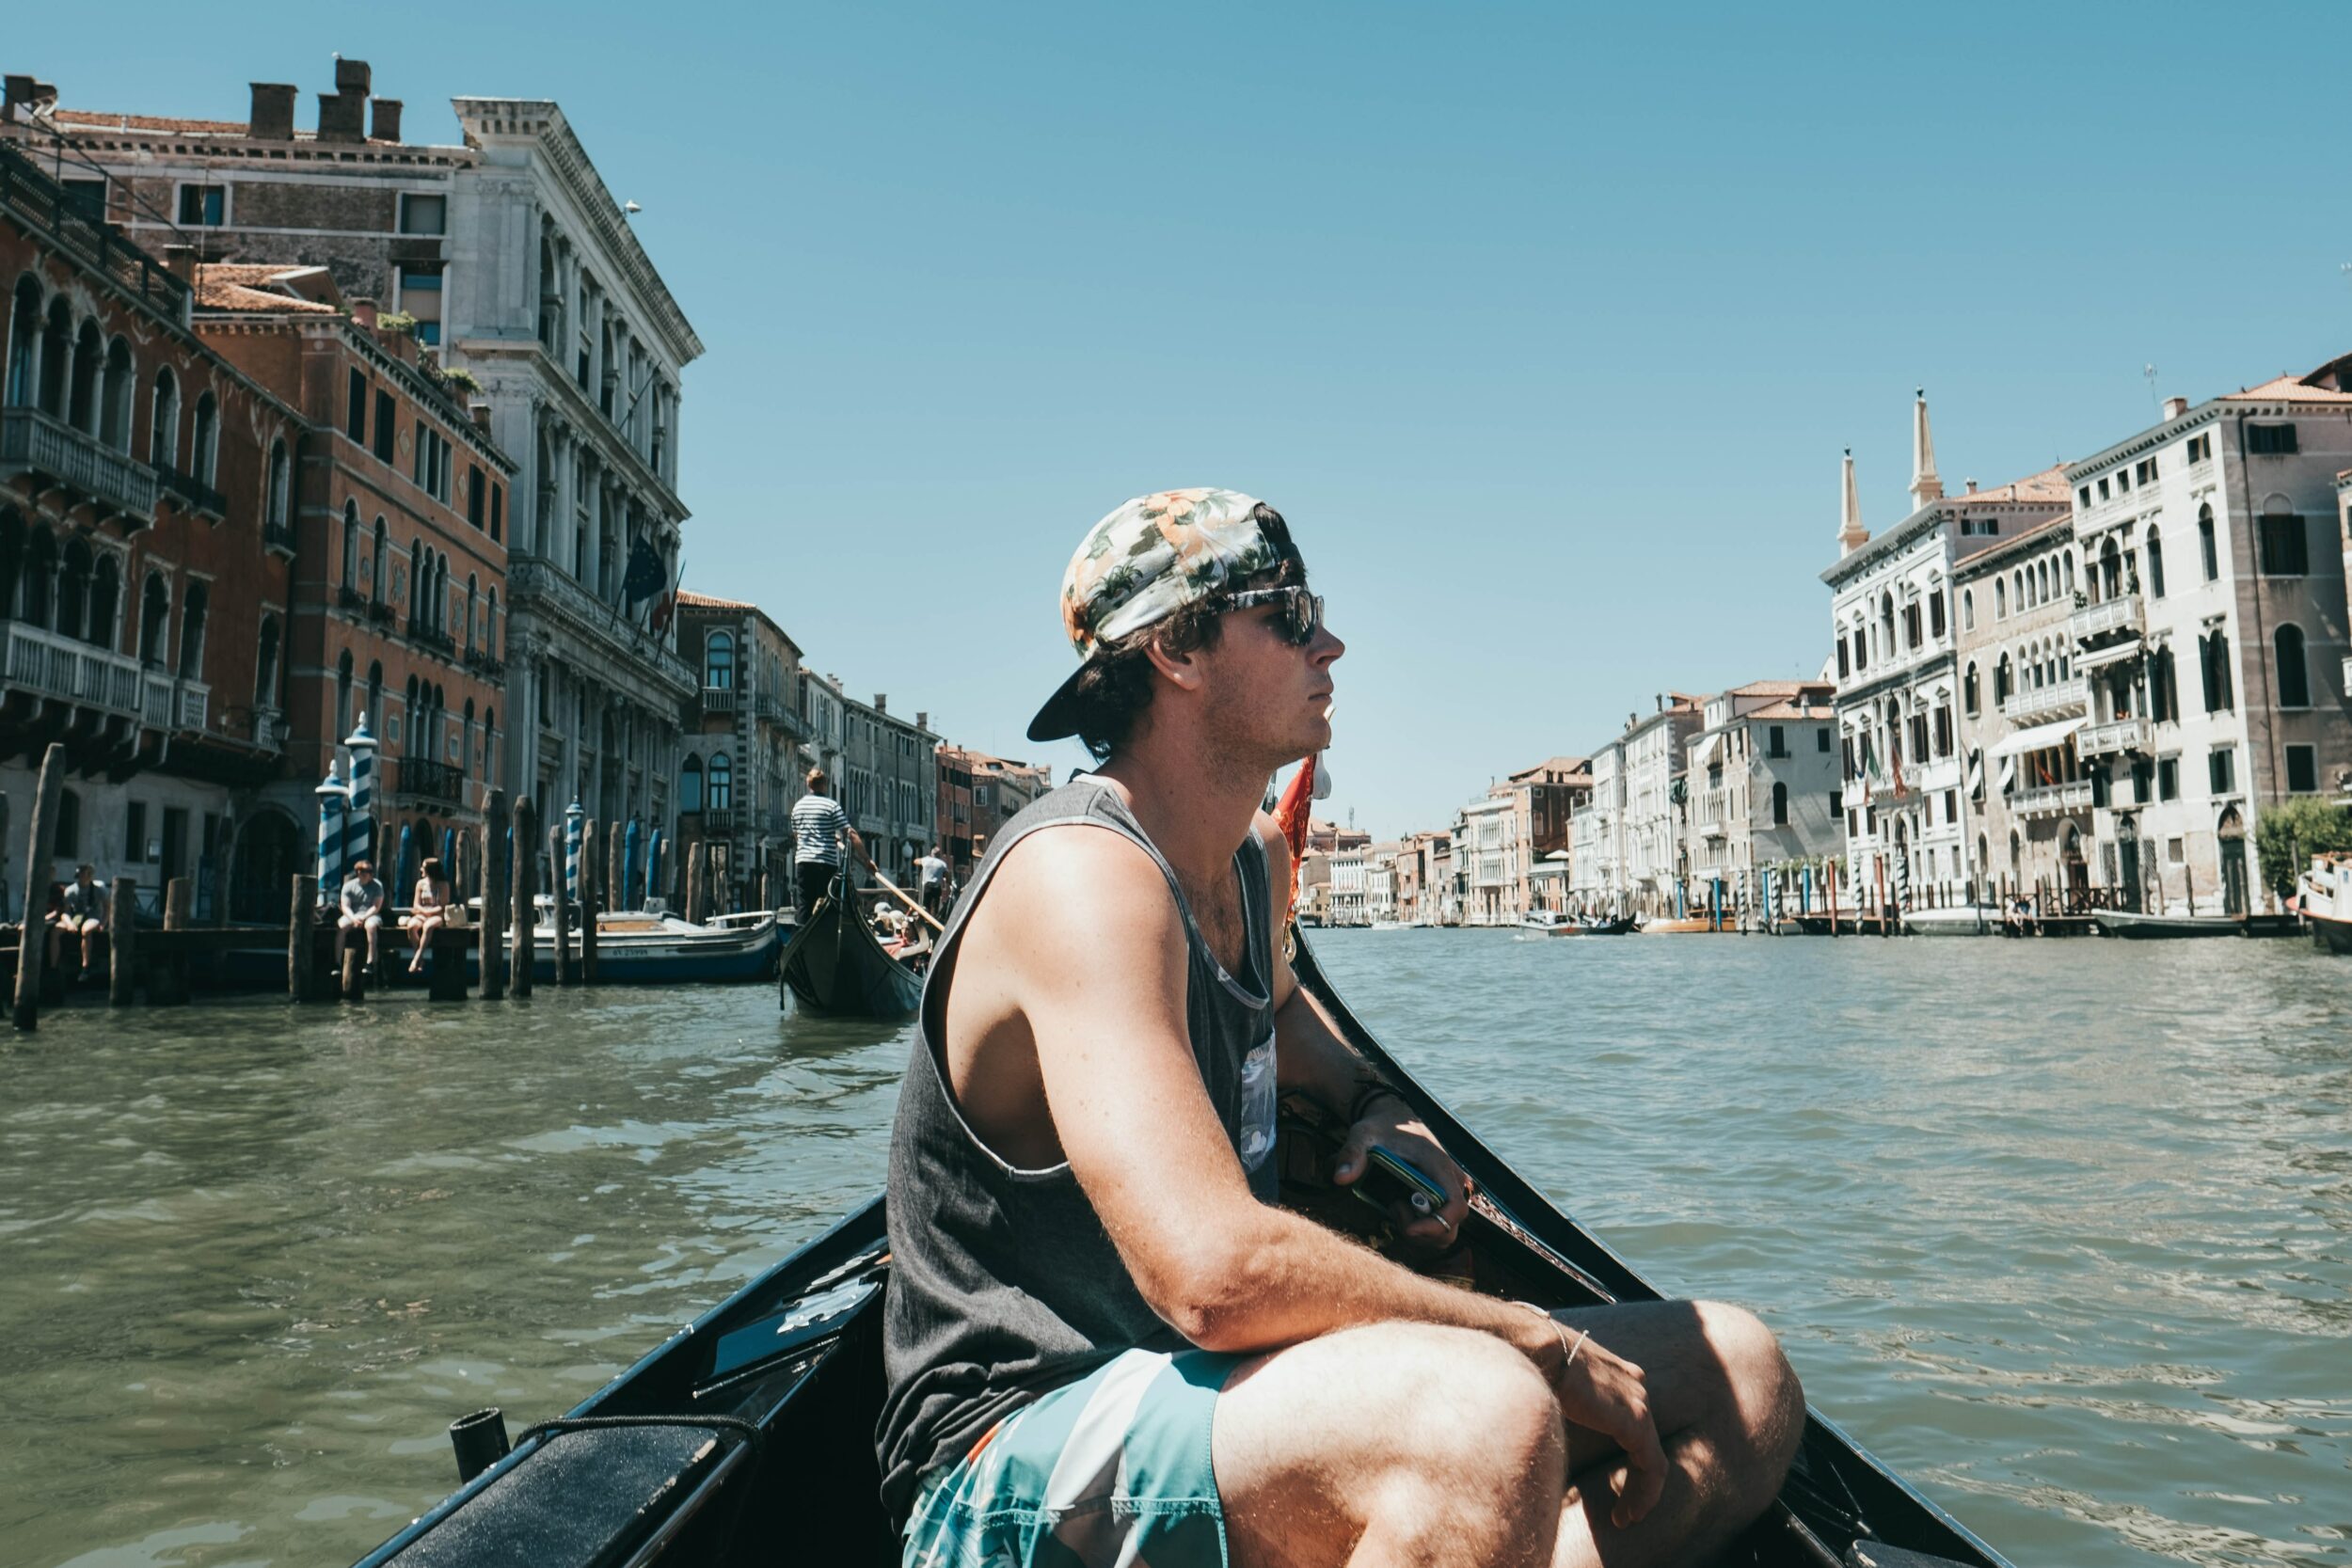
x=711, y=601
x=248, y=286
x=1767, y=688
x=2047, y=486
x=2288, y=388
x=101, y=119
x=1790, y=710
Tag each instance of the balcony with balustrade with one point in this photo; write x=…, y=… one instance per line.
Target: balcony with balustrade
x=69, y=670
x=2113, y=736
x=2041, y=704
x=58, y=457
x=2051, y=800
x=2108, y=620
x=539, y=588
x=719, y=699
x=422, y=779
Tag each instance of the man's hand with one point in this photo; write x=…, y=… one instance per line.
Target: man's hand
x=1605, y=1393
x=1394, y=1125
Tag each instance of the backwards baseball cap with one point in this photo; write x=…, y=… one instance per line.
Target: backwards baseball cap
x=1145, y=562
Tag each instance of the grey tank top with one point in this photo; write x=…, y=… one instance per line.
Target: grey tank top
x=1003, y=1282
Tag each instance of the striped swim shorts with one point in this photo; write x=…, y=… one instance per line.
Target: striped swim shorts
x=1111, y=1471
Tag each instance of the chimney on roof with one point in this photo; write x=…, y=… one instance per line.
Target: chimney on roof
x=1851, y=535
x=272, y=118
x=2175, y=408
x=23, y=91
x=1660, y=697
x=1925, y=484
x=480, y=412
x=363, y=313
x=882, y=702
x=922, y=719
x=384, y=116
x=180, y=260
x=342, y=113
x=1972, y=486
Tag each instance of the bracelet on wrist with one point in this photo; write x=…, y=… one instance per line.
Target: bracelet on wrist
x=1366, y=1095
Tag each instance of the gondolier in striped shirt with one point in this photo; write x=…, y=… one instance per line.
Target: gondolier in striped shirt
x=1105, y=1342
x=821, y=835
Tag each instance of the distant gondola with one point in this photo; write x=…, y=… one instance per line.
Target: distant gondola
x=835, y=968
x=747, y=1437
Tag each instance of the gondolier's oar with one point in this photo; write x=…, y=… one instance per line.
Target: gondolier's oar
x=903, y=898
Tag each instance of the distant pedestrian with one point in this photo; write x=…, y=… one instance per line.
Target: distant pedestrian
x=81, y=913
x=428, y=908
x=821, y=835
x=362, y=908
x=932, y=871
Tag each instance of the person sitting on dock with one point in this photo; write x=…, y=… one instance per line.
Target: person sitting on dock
x=820, y=828
x=1103, y=1341
x=362, y=908
x=428, y=908
x=80, y=911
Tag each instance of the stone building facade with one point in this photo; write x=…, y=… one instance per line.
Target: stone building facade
x=1908, y=839
x=1762, y=791
x=889, y=783
x=1655, y=747
x=1596, y=882
x=2212, y=632
x=510, y=259
x=146, y=500
x=744, y=762
x=978, y=795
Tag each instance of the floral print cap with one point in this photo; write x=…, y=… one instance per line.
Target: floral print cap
x=1155, y=554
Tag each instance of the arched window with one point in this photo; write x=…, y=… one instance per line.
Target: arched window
x=720, y=781
x=718, y=661
x=473, y=590
x=2295, y=673
x=1780, y=804
x=2066, y=563
x=351, y=546
x=415, y=719
x=689, y=784
x=57, y=355
x=490, y=628
x=73, y=589
x=2110, y=575
x=204, y=441
x=2001, y=686
x=375, y=698
x=105, y=597
x=465, y=751
x=265, y=666
x=155, y=619
x=1967, y=609
x=24, y=338
x=192, y=632
x=2001, y=600
x=415, y=581
x=280, y=480
x=343, y=697
x=2042, y=582
x=2155, y=564
x=490, y=743
x=376, y=589
x=37, y=594
x=1968, y=690
x=90, y=352
x=2205, y=543
x=163, y=421
x=114, y=398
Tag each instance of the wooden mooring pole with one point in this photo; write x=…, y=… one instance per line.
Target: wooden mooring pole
x=122, y=975
x=33, y=936
x=167, y=977
x=564, y=976
x=526, y=887
x=590, y=898
x=616, y=869
x=302, y=937
x=697, y=880
x=495, y=866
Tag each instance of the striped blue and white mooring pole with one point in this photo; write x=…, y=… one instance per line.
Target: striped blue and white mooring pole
x=333, y=796
x=632, y=897
x=360, y=815
x=573, y=817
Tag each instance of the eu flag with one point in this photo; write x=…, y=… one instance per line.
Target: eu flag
x=644, y=578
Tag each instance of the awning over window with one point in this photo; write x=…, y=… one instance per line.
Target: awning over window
x=2099, y=658
x=2039, y=738
x=1709, y=747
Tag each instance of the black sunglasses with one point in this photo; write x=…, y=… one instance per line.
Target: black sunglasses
x=1302, y=611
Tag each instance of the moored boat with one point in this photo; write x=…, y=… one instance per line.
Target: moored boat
x=748, y=1436
x=836, y=966
x=2148, y=927
x=1599, y=925
x=635, y=947
x=2326, y=900
x=1688, y=925
x=1957, y=920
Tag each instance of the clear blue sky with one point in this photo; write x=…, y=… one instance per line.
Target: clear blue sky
x=1545, y=327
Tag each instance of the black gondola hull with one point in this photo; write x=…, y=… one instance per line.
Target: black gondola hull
x=835, y=967
x=795, y=1356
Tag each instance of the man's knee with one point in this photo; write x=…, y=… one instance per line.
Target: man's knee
x=1767, y=1400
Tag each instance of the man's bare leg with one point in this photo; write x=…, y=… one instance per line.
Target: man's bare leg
x=1404, y=1442
x=1729, y=1414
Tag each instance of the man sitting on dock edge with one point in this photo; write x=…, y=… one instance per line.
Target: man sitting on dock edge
x=1103, y=1341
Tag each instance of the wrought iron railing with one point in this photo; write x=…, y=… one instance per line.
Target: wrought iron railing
x=189, y=493
x=428, y=779
x=40, y=201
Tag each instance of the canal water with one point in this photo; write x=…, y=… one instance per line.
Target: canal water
x=2061, y=1230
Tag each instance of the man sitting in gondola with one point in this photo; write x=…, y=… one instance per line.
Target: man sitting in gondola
x=1104, y=1343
